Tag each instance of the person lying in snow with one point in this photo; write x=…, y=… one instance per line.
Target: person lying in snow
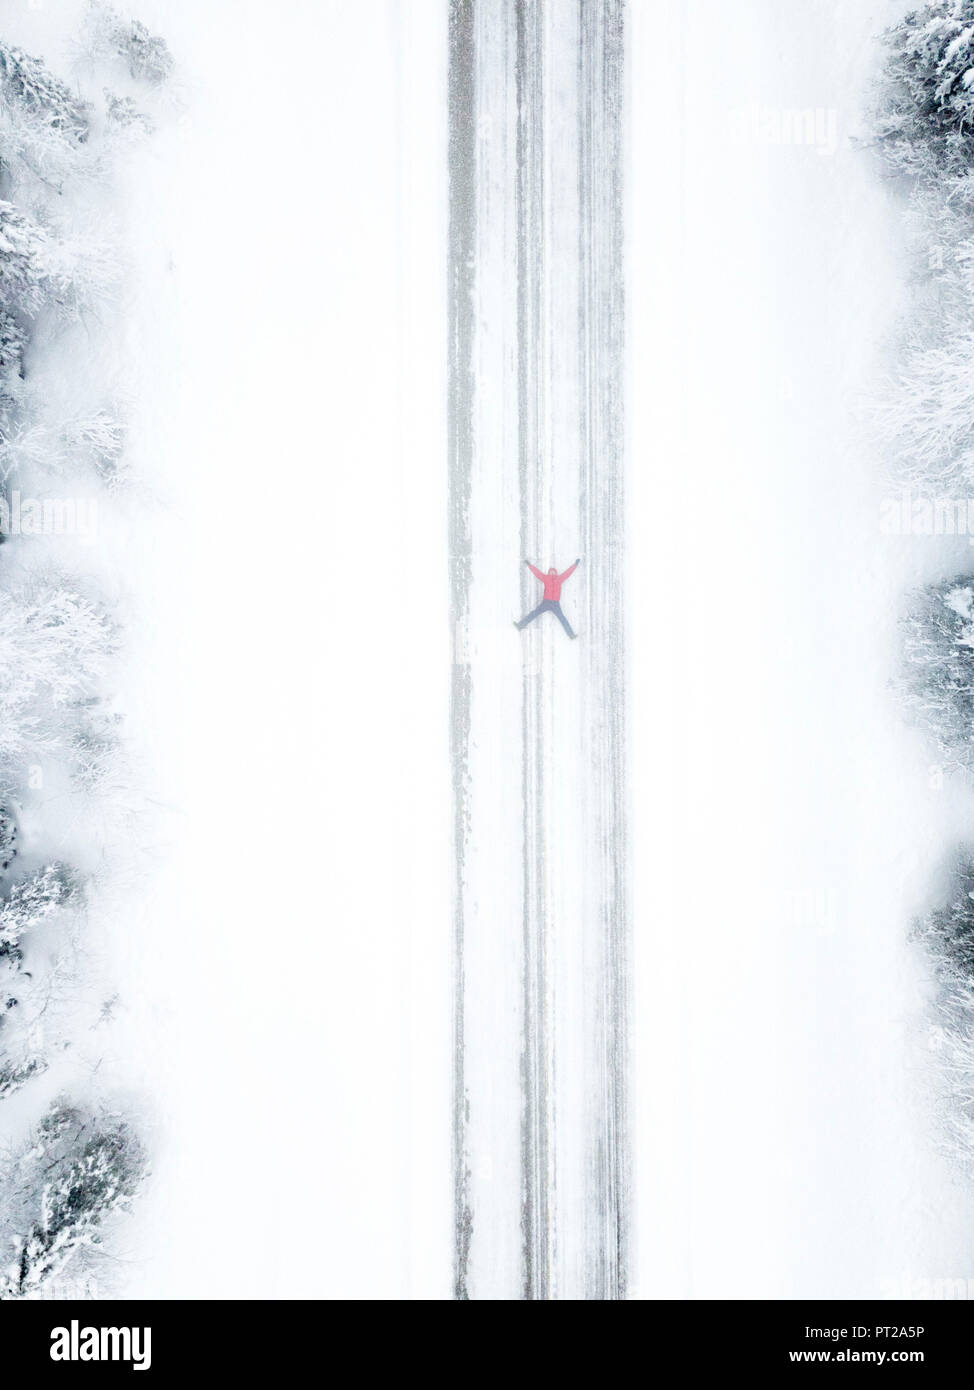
x=552, y=582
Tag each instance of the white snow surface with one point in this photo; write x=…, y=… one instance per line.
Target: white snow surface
x=295, y=677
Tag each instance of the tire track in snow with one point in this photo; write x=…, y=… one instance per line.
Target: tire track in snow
x=602, y=526
x=460, y=308
x=534, y=488
x=541, y=1145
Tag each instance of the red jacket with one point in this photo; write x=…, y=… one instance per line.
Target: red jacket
x=552, y=582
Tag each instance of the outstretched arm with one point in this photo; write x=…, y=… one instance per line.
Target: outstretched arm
x=536, y=572
x=570, y=570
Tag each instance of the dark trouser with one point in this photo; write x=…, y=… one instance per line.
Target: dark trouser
x=548, y=605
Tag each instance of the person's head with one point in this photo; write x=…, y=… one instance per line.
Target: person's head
x=552, y=570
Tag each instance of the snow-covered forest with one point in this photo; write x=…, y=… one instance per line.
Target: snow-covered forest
x=925, y=109
x=72, y=1154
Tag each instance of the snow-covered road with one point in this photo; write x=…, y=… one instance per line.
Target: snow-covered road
x=542, y=926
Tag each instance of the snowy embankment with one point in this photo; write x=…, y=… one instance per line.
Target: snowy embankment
x=785, y=821
x=291, y=960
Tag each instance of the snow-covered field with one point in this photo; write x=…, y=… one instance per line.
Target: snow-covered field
x=281, y=940
x=298, y=700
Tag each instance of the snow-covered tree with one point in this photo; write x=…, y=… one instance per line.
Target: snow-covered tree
x=951, y=1042
x=26, y=82
x=94, y=749
x=125, y=115
x=44, y=126
x=938, y=676
x=926, y=121
x=924, y=411
x=29, y=1001
x=145, y=55
x=15, y=1075
x=926, y=414
x=28, y=903
x=53, y=646
x=8, y=840
x=98, y=440
x=29, y=446
x=947, y=935
x=9, y=987
x=93, y=442
x=25, y=251
x=11, y=363
x=38, y=268
x=32, y=899
x=78, y=1171
x=947, y=932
